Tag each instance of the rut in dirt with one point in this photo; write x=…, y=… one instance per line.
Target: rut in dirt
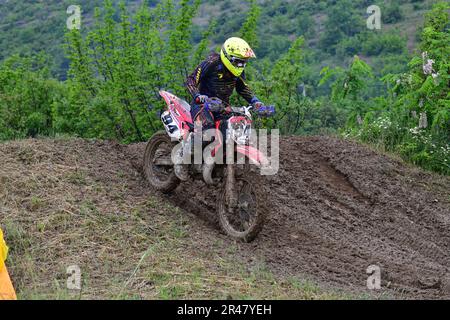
x=337, y=207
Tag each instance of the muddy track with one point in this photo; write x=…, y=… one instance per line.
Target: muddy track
x=337, y=207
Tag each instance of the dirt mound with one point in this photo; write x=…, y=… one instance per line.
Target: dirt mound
x=339, y=207
x=336, y=207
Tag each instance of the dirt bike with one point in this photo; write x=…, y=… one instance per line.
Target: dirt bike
x=240, y=214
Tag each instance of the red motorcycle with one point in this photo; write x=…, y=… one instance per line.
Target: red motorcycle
x=239, y=214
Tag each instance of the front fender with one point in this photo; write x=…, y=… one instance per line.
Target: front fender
x=256, y=156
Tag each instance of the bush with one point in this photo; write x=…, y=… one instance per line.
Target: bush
x=374, y=44
x=392, y=13
x=343, y=21
x=349, y=47
x=423, y=90
x=27, y=96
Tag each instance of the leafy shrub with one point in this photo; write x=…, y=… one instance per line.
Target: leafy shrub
x=415, y=119
x=392, y=13
x=384, y=43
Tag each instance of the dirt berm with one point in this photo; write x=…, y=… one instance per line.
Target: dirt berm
x=335, y=208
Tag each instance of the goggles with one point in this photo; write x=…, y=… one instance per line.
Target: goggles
x=236, y=62
x=240, y=63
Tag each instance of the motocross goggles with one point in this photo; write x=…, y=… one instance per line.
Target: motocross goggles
x=237, y=62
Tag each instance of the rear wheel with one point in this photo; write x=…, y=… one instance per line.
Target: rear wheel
x=158, y=165
x=246, y=219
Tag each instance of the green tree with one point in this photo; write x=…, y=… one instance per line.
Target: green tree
x=342, y=21
x=414, y=118
x=118, y=69
x=27, y=96
x=250, y=26
x=348, y=89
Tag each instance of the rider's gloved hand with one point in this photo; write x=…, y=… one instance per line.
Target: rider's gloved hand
x=266, y=111
x=256, y=103
x=200, y=98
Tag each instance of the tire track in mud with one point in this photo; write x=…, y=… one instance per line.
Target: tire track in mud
x=383, y=233
x=336, y=207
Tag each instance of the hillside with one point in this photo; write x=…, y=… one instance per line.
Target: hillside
x=35, y=26
x=84, y=202
x=351, y=105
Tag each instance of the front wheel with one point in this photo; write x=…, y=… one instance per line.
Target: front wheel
x=158, y=165
x=244, y=220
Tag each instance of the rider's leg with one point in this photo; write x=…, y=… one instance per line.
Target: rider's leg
x=203, y=120
x=180, y=167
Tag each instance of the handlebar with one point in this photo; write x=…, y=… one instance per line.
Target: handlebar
x=263, y=111
x=266, y=111
x=217, y=105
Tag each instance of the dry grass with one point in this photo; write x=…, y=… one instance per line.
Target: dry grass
x=76, y=202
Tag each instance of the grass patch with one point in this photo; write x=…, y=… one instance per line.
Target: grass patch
x=128, y=242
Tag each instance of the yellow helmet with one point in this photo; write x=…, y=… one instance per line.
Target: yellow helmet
x=235, y=54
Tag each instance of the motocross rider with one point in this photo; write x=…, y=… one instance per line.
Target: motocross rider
x=217, y=77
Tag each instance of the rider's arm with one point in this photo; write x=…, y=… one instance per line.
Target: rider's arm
x=244, y=90
x=193, y=80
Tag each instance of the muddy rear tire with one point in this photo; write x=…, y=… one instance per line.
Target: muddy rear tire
x=162, y=178
x=249, y=201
